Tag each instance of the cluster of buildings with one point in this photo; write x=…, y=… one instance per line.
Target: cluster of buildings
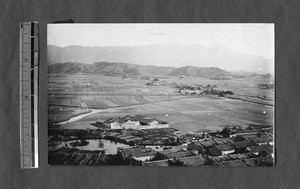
x=236, y=146
x=153, y=83
x=157, y=82
x=165, y=146
x=200, y=89
x=125, y=138
x=221, y=78
x=74, y=156
x=233, y=147
x=165, y=157
x=266, y=86
x=135, y=122
x=135, y=77
x=162, y=136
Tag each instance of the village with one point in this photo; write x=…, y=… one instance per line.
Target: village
x=150, y=139
x=144, y=141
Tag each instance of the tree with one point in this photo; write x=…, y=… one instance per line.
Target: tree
x=159, y=156
x=175, y=162
x=229, y=92
x=225, y=132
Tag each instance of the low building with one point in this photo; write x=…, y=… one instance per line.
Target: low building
x=243, y=134
x=158, y=163
x=131, y=124
x=196, y=147
x=176, y=153
x=220, y=150
x=193, y=161
x=115, y=125
x=234, y=163
x=224, y=140
x=240, y=146
x=261, y=140
x=260, y=150
x=137, y=153
x=242, y=156
x=133, y=140
x=260, y=161
x=135, y=122
x=268, y=130
x=269, y=148
x=220, y=159
x=207, y=143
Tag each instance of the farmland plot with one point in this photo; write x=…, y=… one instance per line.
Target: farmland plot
x=184, y=112
x=188, y=126
x=62, y=113
x=211, y=120
x=125, y=100
x=110, y=103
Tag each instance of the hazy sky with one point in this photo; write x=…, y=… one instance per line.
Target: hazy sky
x=254, y=39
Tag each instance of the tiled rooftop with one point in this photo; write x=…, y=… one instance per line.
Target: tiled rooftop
x=243, y=144
x=138, y=152
x=234, y=163
x=193, y=160
x=224, y=147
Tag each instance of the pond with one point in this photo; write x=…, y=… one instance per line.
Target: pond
x=110, y=147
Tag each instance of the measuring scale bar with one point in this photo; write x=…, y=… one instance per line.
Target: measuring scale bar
x=29, y=59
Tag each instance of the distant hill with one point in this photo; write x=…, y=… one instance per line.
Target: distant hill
x=119, y=69
x=162, y=55
x=197, y=71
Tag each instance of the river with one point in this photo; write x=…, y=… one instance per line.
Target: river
x=76, y=118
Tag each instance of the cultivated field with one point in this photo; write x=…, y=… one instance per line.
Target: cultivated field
x=70, y=95
x=200, y=116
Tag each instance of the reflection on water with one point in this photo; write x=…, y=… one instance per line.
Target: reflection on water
x=110, y=147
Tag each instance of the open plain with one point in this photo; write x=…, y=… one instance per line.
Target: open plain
x=72, y=95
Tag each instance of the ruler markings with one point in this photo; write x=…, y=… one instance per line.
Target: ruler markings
x=29, y=94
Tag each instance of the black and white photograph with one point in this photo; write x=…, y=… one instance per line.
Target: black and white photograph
x=161, y=94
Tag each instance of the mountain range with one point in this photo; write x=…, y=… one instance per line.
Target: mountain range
x=119, y=69
x=163, y=55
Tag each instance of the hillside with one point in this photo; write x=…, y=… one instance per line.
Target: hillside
x=162, y=55
x=111, y=69
x=197, y=71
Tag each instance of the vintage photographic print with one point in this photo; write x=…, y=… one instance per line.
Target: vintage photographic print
x=161, y=94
